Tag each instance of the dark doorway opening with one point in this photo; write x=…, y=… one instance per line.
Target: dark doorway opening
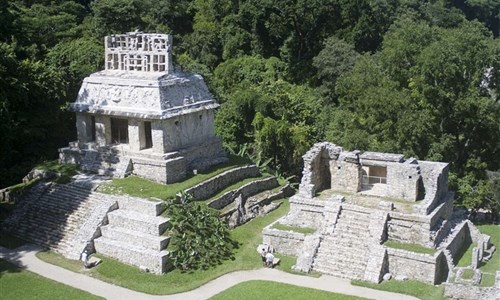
x=119, y=131
x=92, y=128
x=147, y=135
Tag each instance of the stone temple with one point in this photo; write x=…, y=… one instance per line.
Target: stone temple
x=360, y=203
x=142, y=116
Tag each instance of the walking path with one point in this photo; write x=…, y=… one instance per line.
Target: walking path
x=25, y=257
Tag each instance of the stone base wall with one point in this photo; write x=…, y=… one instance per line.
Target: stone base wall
x=166, y=171
x=423, y=267
x=459, y=238
x=284, y=242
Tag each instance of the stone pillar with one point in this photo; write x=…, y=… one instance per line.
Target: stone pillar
x=157, y=135
x=103, y=130
x=84, y=127
x=134, y=133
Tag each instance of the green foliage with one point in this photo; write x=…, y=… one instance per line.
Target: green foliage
x=248, y=237
x=257, y=289
x=199, y=239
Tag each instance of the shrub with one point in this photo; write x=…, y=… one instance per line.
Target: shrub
x=199, y=239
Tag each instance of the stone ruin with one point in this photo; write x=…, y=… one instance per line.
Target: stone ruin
x=140, y=115
x=357, y=201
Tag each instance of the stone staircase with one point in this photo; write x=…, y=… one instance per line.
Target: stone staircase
x=107, y=162
x=134, y=234
x=345, y=252
x=61, y=217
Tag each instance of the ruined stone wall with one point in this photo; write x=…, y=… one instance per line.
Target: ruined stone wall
x=402, y=181
x=284, y=242
x=414, y=265
x=346, y=176
x=459, y=239
x=316, y=168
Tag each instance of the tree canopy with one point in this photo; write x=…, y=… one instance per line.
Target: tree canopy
x=414, y=77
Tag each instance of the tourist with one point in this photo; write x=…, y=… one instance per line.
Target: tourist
x=263, y=255
x=269, y=259
x=85, y=259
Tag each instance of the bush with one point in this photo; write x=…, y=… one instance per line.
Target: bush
x=199, y=239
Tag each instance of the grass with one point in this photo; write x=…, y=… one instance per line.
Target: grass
x=286, y=263
x=9, y=241
x=410, y=247
x=487, y=280
x=258, y=289
x=16, y=283
x=246, y=257
x=466, y=258
x=304, y=230
x=468, y=274
x=494, y=264
x=139, y=187
x=410, y=287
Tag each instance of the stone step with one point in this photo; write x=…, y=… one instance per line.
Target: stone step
x=343, y=248
x=134, y=237
x=155, y=261
x=147, y=207
x=140, y=222
x=342, y=273
x=349, y=235
x=353, y=259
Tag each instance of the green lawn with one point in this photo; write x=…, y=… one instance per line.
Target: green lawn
x=305, y=230
x=468, y=274
x=139, y=187
x=263, y=290
x=245, y=257
x=16, y=283
x=410, y=247
x=466, y=258
x=411, y=287
x=494, y=264
x=286, y=263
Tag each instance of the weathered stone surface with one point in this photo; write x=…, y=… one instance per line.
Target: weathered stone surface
x=353, y=226
x=210, y=187
x=157, y=122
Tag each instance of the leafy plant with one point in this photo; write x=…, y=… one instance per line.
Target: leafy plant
x=199, y=239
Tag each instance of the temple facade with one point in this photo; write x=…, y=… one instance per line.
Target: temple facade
x=141, y=116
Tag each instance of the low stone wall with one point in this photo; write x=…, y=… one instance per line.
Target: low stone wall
x=210, y=187
x=423, y=267
x=460, y=238
x=456, y=291
x=245, y=191
x=284, y=242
